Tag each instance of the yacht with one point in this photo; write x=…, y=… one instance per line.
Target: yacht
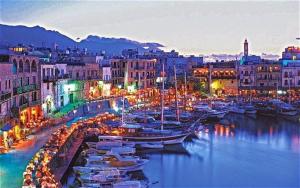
x=141, y=135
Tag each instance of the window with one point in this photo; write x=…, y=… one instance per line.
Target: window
x=27, y=66
x=285, y=82
x=48, y=85
x=33, y=80
x=20, y=66
x=8, y=84
x=15, y=67
x=33, y=66
x=299, y=82
x=27, y=80
x=5, y=84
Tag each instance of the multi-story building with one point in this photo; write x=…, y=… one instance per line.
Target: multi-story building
x=133, y=73
x=53, y=79
x=19, y=95
x=218, y=78
x=268, y=77
x=223, y=78
x=6, y=89
x=291, y=70
x=291, y=75
x=291, y=53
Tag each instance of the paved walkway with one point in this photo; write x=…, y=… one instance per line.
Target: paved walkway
x=61, y=170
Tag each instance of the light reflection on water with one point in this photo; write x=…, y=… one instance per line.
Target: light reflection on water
x=260, y=152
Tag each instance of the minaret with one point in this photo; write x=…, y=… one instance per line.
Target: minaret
x=245, y=48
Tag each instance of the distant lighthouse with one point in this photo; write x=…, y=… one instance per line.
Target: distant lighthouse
x=246, y=48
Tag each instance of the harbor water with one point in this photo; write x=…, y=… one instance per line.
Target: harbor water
x=247, y=152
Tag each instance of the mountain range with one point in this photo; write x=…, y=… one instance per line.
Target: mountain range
x=39, y=36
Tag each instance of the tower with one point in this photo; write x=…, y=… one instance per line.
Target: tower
x=246, y=48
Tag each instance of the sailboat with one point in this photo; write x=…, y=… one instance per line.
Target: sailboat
x=140, y=135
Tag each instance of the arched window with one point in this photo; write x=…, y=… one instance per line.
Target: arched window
x=27, y=66
x=33, y=66
x=20, y=66
x=15, y=67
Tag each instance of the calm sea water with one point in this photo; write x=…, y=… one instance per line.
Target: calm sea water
x=262, y=152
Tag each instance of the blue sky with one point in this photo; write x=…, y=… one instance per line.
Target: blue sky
x=195, y=27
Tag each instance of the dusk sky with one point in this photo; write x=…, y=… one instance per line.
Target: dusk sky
x=189, y=27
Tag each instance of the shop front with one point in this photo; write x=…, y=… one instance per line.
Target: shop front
x=31, y=118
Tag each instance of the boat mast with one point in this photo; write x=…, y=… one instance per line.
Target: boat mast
x=250, y=100
x=176, y=100
x=123, y=105
x=162, y=97
x=289, y=91
x=185, y=91
x=138, y=90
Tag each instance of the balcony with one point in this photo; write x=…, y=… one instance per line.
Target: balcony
x=25, y=89
x=223, y=77
x=36, y=102
x=139, y=67
x=93, y=78
x=55, y=78
x=4, y=96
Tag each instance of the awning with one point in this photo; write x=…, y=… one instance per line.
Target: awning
x=6, y=127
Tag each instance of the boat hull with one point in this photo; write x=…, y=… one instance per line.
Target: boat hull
x=165, y=140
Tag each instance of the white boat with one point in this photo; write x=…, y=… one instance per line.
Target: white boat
x=201, y=107
x=86, y=170
x=113, y=156
x=128, y=184
x=214, y=114
x=128, y=166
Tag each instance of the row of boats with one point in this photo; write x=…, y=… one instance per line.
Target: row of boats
x=273, y=107
x=110, y=163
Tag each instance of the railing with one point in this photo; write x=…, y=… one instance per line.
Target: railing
x=25, y=89
x=5, y=96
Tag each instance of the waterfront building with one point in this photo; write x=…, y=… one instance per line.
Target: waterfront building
x=106, y=78
x=184, y=64
x=290, y=62
x=6, y=90
x=202, y=76
x=268, y=78
x=53, y=78
x=133, y=74
x=218, y=78
x=291, y=53
x=223, y=78
x=20, y=96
